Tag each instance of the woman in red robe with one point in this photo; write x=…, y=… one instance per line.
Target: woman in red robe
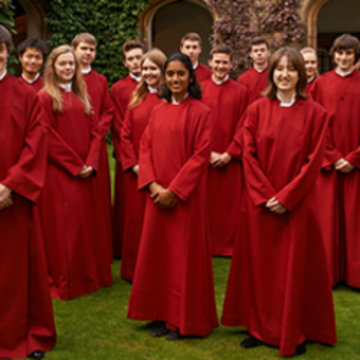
x=311, y=67
x=144, y=99
x=76, y=252
x=173, y=283
x=278, y=286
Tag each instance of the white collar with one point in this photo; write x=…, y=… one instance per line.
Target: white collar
x=344, y=74
x=287, y=104
x=174, y=102
x=3, y=75
x=196, y=65
x=152, y=90
x=260, y=71
x=136, y=78
x=311, y=79
x=30, y=81
x=219, y=82
x=66, y=87
x=86, y=71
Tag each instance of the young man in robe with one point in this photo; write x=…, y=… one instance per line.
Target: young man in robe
x=121, y=91
x=255, y=78
x=190, y=45
x=339, y=184
x=84, y=46
x=32, y=53
x=228, y=101
x=27, y=325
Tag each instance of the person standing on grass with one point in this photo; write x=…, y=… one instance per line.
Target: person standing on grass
x=143, y=100
x=227, y=101
x=278, y=287
x=121, y=91
x=255, y=79
x=84, y=46
x=173, y=283
x=311, y=67
x=78, y=262
x=26, y=316
x=190, y=45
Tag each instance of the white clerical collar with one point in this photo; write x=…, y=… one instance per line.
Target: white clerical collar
x=344, y=74
x=152, y=90
x=287, y=104
x=311, y=79
x=3, y=75
x=30, y=81
x=174, y=102
x=136, y=78
x=196, y=65
x=66, y=87
x=86, y=71
x=219, y=82
x=260, y=71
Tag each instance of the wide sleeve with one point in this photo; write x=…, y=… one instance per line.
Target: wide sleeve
x=196, y=165
x=296, y=189
x=26, y=176
x=128, y=153
x=93, y=156
x=332, y=154
x=119, y=113
x=106, y=111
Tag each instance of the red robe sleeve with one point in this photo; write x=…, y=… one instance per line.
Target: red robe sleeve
x=106, y=111
x=93, y=156
x=128, y=153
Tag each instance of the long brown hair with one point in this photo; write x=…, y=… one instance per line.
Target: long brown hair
x=51, y=84
x=158, y=58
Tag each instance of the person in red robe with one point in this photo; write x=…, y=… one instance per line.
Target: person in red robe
x=84, y=46
x=190, y=45
x=255, y=78
x=173, y=282
x=77, y=256
x=32, y=54
x=143, y=100
x=280, y=259
x=311, y=67
x=121, y=91
x=27, y=323
x=338, y=91
x=227, y=101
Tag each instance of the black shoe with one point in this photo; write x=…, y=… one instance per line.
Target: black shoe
x=250, y=342
x=159, y=331
x=301, y=349
x=173, y=335
x=37, y=354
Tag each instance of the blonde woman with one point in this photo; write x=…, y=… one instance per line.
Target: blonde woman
x=311, y=66
x=76, y=254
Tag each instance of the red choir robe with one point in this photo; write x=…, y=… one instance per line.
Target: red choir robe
x=121, y=94
x=309, y=86
x=340, y=193
x=37, y=85
x=26, y=315
x=202, y=73
x=278, y=285
x=97, y=87
x=228, y=103
x=77, y=258
x=255, y=82
x=133, y=127
x=173, y=279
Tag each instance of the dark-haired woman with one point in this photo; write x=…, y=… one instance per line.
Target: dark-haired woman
x=173, y=283
x=278, y=286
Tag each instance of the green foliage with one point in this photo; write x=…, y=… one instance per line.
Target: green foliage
x=111, y=22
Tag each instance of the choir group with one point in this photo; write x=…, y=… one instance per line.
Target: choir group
x=264, y=170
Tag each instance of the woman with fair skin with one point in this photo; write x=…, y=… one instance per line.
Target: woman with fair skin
x=76, y=254
x=173, y=284
x=311, y=66
x=279, y=259
x=144, y=99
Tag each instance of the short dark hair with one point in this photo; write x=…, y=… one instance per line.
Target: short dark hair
x=193, y=36
x=132, y=44
x=5, y=38
x=194, y=87
x=221, y=48
x=32, y=43
x=345, y=42
x=259, y=40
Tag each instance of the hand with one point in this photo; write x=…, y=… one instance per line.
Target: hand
x=135, y=169
x=275, y=207
x=344, y=166
x=85, y=172
x=164, y=198
x=5, y=197
x=214, y=157
x=222, y=160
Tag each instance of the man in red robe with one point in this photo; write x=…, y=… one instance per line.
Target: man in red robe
x=121, y=91
x=339, y=184
x=190, y=45
x=32, y=53
x=255, y=79
x=227, y=101
x=84, y=46
x=26, y=316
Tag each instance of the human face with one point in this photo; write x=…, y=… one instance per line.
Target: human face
x=133, y=61
x=192, y=49
x=31, y=61
x=3, y=57
x=285, y=76
x=345, y=59
x=150, y=73
x=260, y=55
x=311, y=64
x=85, y=53
x=177, y=79
x=221, y=65
x=64, y=67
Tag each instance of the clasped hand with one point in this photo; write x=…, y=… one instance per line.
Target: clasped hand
x=344, y=166
x=219, y=160
x=275, y=207
x=85, y=172
x=5, y=197
x=163, y=198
